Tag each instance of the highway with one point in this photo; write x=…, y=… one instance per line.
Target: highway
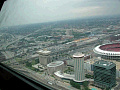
x=38, y=77
x=9, y=43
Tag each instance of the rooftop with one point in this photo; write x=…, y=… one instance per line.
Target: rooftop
x=43, y=52
x=55, y=64
x=78, y=55
x=117, y=35
x=104, y=64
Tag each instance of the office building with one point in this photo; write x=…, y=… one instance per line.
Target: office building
x=55, y=66
x=104, y=74
x=79, y=67
x=44, y=57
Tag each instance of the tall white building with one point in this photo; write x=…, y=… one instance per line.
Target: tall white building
x=44, y=57
x=79, y=67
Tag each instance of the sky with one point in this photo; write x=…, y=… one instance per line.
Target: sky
x=18, y=12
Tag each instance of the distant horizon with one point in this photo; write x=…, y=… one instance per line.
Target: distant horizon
x=85, y=18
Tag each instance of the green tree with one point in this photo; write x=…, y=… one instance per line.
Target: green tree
x=28, y=64
x=35, y=69
x=74, y=84
x=36, y=60
x=89, y=76
x=107, y=89
x=85, y=84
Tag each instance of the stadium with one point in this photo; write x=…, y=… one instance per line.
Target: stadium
x=108, y=51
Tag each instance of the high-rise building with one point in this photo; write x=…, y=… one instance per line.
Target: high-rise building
x=44, y=57
x=79, y=67
x=104, y=74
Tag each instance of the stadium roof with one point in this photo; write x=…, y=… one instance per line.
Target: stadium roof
x=98, y=50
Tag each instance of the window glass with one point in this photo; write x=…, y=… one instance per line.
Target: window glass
x=45, y=40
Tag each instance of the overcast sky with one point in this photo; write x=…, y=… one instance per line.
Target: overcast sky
x=16, y=12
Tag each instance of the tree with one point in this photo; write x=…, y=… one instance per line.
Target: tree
x=55, y=41
x=36, y=61
x=89, y=76
x=107, y=89
x=28, y=64
x=74, y=84
x=85, y=84
x=35, y=69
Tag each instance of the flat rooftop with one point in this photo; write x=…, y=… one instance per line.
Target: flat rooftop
x=78, y=55
x=104, y=64
x=55, y=64
x=43, y=52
